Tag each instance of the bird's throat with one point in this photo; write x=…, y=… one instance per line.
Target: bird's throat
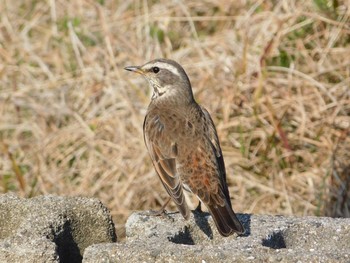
x=157, y=92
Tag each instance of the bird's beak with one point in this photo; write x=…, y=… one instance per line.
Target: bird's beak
x=135, y=69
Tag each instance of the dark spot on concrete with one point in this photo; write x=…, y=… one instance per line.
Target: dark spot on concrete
x=183, y=237
x=275, y=241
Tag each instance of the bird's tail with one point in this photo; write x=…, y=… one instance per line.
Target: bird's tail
x=225, y=219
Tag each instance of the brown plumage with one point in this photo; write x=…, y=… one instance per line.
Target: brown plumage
x=183, y=144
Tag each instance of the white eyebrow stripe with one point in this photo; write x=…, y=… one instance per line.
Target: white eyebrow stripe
x=167, y=66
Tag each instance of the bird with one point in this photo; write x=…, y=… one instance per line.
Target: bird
x=183, y=144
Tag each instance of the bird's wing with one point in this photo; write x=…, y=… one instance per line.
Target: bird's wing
x=164, y=161
x=213, y=137
x=221, y=210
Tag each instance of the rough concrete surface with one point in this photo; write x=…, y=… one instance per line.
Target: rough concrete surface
x=170, y=238
x=51, y=228
x=74, y=229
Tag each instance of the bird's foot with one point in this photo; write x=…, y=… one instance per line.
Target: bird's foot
x=160, y=212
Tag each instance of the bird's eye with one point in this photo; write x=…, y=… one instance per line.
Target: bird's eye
x=155, y=69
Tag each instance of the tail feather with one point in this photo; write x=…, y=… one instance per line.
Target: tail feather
x=225, y=219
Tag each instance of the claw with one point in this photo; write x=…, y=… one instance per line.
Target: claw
x=159, y=212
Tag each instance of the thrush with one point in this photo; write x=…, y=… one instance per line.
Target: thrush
x=183, y=144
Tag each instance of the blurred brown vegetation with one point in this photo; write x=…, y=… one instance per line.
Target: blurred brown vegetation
x=275, y=76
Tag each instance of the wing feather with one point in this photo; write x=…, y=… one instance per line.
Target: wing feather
x=220, y=206
x=213, y=137
x=165, y=165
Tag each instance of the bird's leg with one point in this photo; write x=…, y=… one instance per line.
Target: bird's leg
x=159, y=212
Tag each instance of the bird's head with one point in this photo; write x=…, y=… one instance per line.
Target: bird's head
x=167, y=78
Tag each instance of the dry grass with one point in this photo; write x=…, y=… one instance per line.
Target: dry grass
x=275, y=78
